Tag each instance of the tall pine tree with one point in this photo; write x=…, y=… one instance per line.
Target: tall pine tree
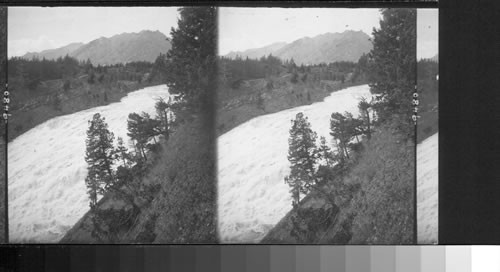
x=325, y=153
x=136, y=132
x=162, y=111
x=364, y=109
x=191, y=69
x=339, y=130
x=302, y=156
x=392, y=63
x=122, y=155
x=99, y=158
x=151, y=127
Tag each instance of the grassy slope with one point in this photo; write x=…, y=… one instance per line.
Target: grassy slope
x=183, y=206
x=185, y=209
x=381, y=209
x=384, y=206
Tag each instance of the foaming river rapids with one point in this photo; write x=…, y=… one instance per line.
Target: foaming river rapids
x=47, y=168
x=252, y=164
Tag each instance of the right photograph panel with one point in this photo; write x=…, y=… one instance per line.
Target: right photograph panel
x=427, y=128
x=316, y=142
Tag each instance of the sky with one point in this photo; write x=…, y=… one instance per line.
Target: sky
x=245, y=28
x=33, y=29
x=427, y=33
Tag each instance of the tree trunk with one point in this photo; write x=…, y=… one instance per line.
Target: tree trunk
x=107, y=164
x=135, y=146
x=165, y=129
x=369, y=132
x=143, y=154
x=346, y=151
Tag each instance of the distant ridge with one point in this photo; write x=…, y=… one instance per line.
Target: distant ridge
x=258, y=52
x=122, y=48
x=54, y=53
x=329, y=47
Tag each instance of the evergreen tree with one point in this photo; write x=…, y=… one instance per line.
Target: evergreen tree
x=325, y=153
x=142, y=128
x=191, y=69
x=67, y=85
x=392, y=62
x=135, y=126
x=99, y=157
x=124, y=174
x=362, y=66
x=338, y=130
x=151, y=127
x=364, y=108
x=354, y=126
x=292, y=67
x=294, y=78
x=91, y=78
x=122, y=154
x=162, y=108
x=295, y=188
x=302, y=156
x=93, y=187
x=57, y=103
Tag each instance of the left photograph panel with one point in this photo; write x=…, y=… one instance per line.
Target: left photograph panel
x=110, y=138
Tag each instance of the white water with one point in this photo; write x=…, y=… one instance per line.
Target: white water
x=427, y=190
x=252, y=161
x=47, y=169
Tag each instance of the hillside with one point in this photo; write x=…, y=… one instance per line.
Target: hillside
x=51, y=98
x=252, y=194
x=325, y=48
x=178, y=206
x=376, y=206
x=255, y=97
x=122, y=48
x=248, y=88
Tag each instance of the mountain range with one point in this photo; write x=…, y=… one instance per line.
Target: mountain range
x=122, y=48
x=329, y=47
